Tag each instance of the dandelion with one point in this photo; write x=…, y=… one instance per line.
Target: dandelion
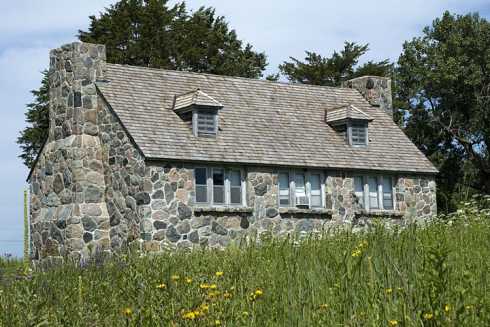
x=393, y=322
x=356, y=253
x=388, y=291
x=217, y=322
x=161, y=286
x=191, y=315
x=219, y=273
x=188, y=280
x=259, y=292
x=127, y=312
x=227, y=295
x=447, y=308
x=204, y=307
x=428, y=316
x=175, y=278
x=323, y=306
x=204, y=286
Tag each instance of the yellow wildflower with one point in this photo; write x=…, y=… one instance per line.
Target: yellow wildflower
x=219, y=273
x=227, y=295
x=428, y=315
x=447, y=308
x=188, y=280
x=127, y=312
x=323, y=306
x=175, y=277
x=204, y=286
x=189, y=315
x=245, y=313
x=213, y=286
x=204, y=307
x=259, y=292
x=217, y=322
x=356, y=253
x=468, y=307
x=392, y=322
x=388, y=291
x=161, y=286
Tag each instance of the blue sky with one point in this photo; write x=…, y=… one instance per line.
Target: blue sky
x=280, y=28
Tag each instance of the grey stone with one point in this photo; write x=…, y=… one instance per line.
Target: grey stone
x=87, y=237
x=172, y=234
x=158, y=195
x=89, y=224
x=218, y=229
x=271, y=212
x=52, y=200
x=183, y=227
x=142, y=198
x=93, y=194
x=169, y=193
x=58, y=184
x=159, y=224
x=260, y=189
x=146, y=226
x=194, y=237
x=159, y=235
x=244, y=222
x=184, y=211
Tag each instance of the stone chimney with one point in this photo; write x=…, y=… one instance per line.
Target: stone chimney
x=375, y=89
x=69, y=216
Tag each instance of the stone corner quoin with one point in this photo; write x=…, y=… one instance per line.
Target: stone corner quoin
x=91, y=190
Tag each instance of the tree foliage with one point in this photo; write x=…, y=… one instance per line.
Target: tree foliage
x=332, y=71
x=443, y=82
x=150, y=33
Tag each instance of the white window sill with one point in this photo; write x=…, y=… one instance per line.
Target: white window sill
x=312, y=211
x=230, y=209
x=380, y=213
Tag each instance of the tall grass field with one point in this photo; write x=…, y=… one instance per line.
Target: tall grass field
x=436, y=275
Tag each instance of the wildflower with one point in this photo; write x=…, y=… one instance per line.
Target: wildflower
x=468, y=307
x=175, y=277
x=447, y=308
x=388, y=291
x=393, y=322
x=217, y=322
x=323, y=306
x=219, y=273
x=227, y=295
x=161, y=286
x=356, y=253
x=213, y=286
x=245, y=313
x=204, y=286
x=258, y=292
x=127, y=312
x=428, y=315
x=204, y=308
x=191, y=315
x=188, y=280
x=213, y=294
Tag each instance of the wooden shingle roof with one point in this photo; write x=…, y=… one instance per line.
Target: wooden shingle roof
x=261, y=123
x=343, y=113
x=194, y=98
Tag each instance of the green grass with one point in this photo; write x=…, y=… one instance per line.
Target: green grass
x=432, y=276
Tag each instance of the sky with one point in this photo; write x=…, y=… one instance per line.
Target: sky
x=280, y=28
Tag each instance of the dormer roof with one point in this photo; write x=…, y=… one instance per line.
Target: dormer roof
x=187, y=100
x=349, y=112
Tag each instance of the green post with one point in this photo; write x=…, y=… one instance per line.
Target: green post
x=26, y=233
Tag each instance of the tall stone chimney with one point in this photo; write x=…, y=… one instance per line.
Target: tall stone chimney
x=375, y=89
x=69, y=216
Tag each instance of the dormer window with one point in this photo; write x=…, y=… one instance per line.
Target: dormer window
x=201, y=110
x=351, y=123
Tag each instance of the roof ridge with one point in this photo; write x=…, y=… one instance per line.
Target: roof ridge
x=264, y=81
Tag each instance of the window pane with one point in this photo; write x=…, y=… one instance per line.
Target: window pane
x=373, y=192
x=358, y=134
x=200, y=174
x=316, y=190
x=235, y=178
x=218, y=186
x=201, y=193
x=359, y=190
x=235, y=195
x=206, y=123
x=283, y=189
x=387, y=193
x=300, y=190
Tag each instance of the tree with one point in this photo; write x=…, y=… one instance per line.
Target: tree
x=32, y=137
x=443, y=80
x=149, y=33
x=332, y=71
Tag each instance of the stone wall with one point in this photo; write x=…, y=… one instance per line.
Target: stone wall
x=69, y=215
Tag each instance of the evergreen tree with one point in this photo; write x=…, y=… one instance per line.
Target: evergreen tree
x=332, y=71
x=150, y=33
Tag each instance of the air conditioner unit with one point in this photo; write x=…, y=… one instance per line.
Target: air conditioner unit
x=302, y=201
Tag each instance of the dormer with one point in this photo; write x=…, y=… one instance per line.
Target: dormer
x=201, y=110
x=351, y=122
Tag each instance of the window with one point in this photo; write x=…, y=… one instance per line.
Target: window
x=374, y=192
x=284, y=189
x=358, y=134
x=218, y=186
x=301, y=189
x=201, y=185
x=205, y=123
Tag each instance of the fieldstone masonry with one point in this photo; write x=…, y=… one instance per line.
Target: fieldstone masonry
x=92, y=191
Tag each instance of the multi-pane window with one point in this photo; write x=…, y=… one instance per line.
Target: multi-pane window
x=374, y=192
x=300, y=189
x=218, y=186
x=206, y=123
x=358, y=134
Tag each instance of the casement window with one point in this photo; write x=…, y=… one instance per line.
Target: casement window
x=301, y=189
x=374, y=192
x=358, y=133
x=219, y=187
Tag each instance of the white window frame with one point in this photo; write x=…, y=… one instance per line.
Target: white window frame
x=195, y=126
x=380, y=192
x=292, y=187
x=349, y=134
x=226, y=186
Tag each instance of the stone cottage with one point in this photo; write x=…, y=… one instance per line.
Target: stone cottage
x=173, y=159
